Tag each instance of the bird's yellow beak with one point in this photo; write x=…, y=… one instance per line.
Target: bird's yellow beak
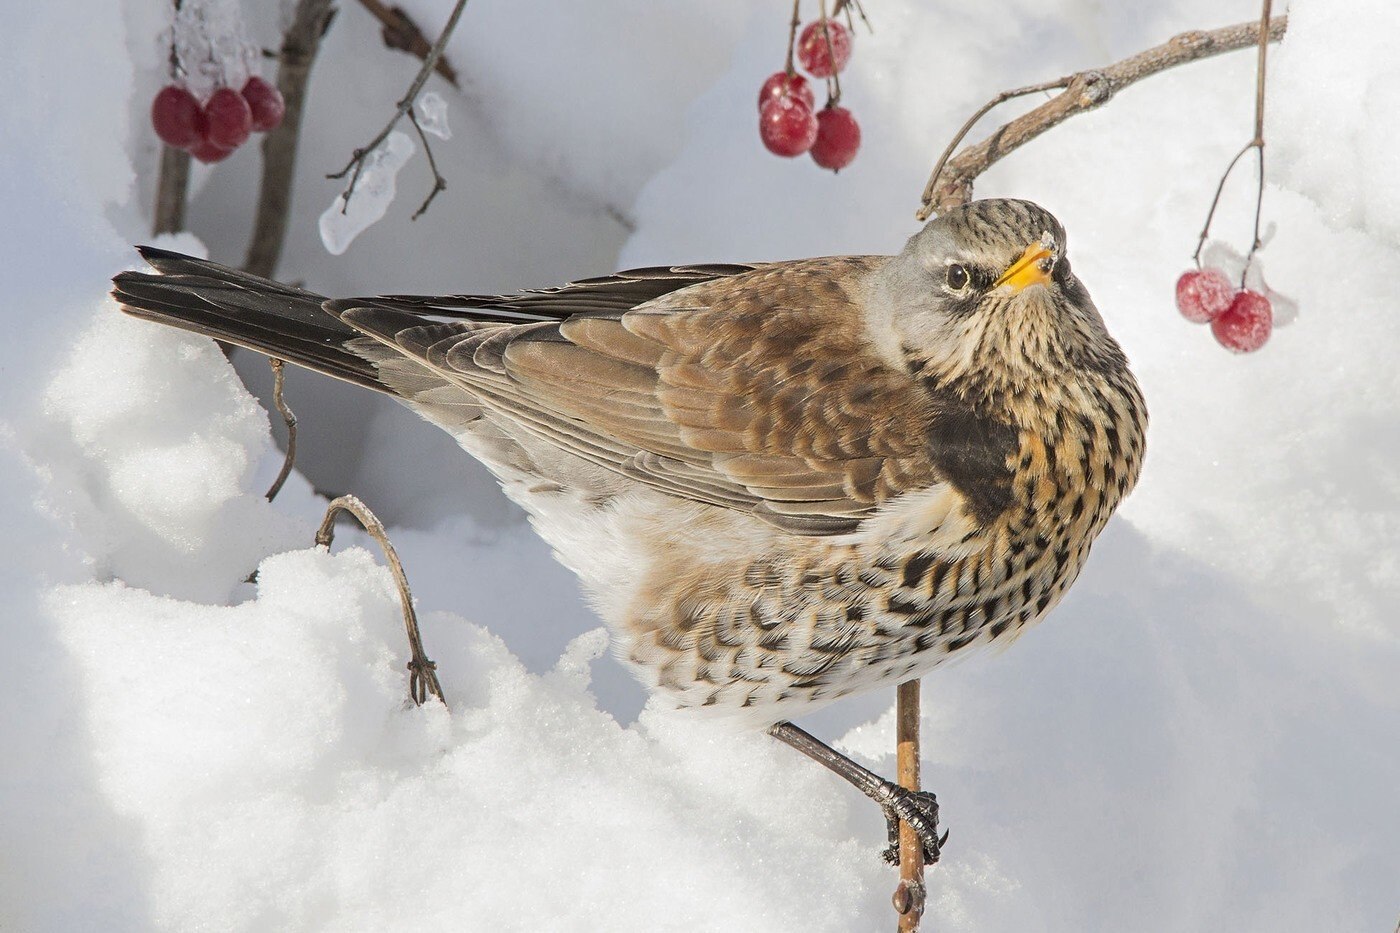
x=1033, y=268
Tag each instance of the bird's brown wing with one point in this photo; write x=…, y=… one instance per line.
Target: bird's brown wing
x=757, y=391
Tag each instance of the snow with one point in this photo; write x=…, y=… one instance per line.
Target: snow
x=1205, y=735
x=354, y=210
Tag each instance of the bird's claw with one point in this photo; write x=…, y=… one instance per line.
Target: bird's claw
x=918, y=808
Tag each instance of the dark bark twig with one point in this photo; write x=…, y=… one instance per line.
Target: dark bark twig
x=300, y=44
x=289, y=418
x=423, y=680
x=439, y=183
x=401, y=109
x=173, y=182
x=951, y=182
x=402, y=33
x=171, y=187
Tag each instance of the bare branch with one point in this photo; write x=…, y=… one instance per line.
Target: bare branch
x=357, y=160
x=402, y=33
x=951, y=185
x=423, y=680
x=300, y=44
x=289, y=418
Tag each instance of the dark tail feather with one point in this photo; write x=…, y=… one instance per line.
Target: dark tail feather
x=229, y=304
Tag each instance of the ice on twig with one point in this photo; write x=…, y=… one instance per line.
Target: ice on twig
x=432, y=115
x=1218, y=254
x=374, y=192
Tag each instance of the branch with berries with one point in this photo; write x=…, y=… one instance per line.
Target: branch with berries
x=788, y=122
x=1241, y=318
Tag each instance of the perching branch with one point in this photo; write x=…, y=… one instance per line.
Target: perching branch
x=909, y=896
x=423, y=680
x=950, y=184
x=401, y=110
x=402, y=33
x=300, y=45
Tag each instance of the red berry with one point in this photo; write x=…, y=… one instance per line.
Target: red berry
x=230, y=119
x=812, y=51
x=838, y=138
x=208, y=153
x=782, y=84
x=1244, y=326
x=177, y=117
x=1203, y=294
x=787, y=126
x=266, y=104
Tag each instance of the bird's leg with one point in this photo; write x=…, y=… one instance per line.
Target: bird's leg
x=917, y=808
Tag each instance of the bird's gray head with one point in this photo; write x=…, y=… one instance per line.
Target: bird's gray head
x=985, y=292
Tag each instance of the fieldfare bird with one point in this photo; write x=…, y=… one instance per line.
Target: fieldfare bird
x=780, y=483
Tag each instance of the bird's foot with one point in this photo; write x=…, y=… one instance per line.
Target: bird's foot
x=918, y=808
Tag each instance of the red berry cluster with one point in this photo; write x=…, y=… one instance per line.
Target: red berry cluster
x=211, y=131
x=1240, y=319
x=787, y=123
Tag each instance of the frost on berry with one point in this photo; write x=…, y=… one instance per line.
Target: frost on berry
x=177, y=117
x=1203, y=294
x=265, y=103
x=821, y=60
x=230, y=119
x=787, y=126
x=1244, y=326
x=782, y=84
x=1218, y=254
x=838, y=138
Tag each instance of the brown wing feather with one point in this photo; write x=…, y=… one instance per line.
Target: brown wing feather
x=756, y=391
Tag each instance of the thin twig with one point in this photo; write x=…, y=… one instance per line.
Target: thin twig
x=357, y=160
x=951, y=185
x=997, y=101
x=423, y=681
x=439, y=183
x=909, y=896
x=402, y=33
x=289, y=418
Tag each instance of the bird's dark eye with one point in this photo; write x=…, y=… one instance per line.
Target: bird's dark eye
x=957, y=277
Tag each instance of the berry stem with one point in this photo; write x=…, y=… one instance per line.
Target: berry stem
x=792, y=36
x=833, y=81
x=1256, y=143
x=1260, y=75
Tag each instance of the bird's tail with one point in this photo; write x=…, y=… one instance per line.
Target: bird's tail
x=231, y=305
